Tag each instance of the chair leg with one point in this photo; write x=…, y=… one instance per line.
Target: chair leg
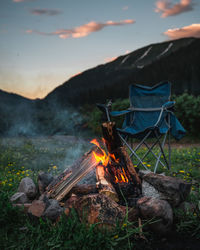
x=158, y=159
x=169, y=149
x=150, y=150
x=132, y=151
x=160, y=145
x=142, y=141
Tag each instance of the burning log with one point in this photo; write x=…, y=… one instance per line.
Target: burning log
x=62, y=185
x=120, y=155
x=104, y=185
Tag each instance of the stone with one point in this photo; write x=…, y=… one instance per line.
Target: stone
x=53, y=211
x=45, y=199
x=44, y=179
x=171, y=189
x=158, y=210
x=28, y=187
x=142, y=173
x=19, y=198
x=37, y=208
x=149, y=190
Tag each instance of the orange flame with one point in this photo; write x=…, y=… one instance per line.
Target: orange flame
x=120, y=175
x=95, y=142
x=103, y=158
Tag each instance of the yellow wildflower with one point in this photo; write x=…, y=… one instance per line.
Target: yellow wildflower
x=116, y=236
x=17, y=173
x=148, y=165
x=27, y=174
x=124, y=225
x=10, y=179
x=3, y=182
x=10, y=184
x=54, y=167
x=181, y=171
x=23, y=172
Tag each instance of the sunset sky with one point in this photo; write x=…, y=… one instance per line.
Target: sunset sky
x=45, y=42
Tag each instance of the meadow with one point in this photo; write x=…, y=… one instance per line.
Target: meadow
x=21, y=157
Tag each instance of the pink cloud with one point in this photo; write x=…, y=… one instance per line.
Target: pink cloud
x=83, y=30
x=48, y=12
x=110, y=59
x=125, y=8
x=192, y=30
x=76, y=74
x=20, y=1
x=168, y=9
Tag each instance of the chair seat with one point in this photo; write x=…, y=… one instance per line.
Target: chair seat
x=132, y=132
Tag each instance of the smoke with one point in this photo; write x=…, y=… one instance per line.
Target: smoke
x=20, y=116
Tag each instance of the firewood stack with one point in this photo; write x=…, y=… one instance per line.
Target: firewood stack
x=117, y=178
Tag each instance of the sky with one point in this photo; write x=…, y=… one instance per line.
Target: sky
x=43, y=43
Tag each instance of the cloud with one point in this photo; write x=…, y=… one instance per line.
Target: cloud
x=110, y=59
x=20, y=1
x=168, y=9
x=48, y=12
x=83, y=30
x=125, y=8
x=192, y=30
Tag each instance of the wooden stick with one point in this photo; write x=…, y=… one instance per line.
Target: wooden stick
x=59, y=188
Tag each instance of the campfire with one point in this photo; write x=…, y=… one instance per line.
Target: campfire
x=119, y=188
x=115, y=173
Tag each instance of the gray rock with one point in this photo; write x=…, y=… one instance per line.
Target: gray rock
x=149, y=190
x=45, y=199
x=28, y=187
x=53, y=211
x=159, y=210
x=142, y=173
x=172, y=189
x=19, y=198
x=44, y=179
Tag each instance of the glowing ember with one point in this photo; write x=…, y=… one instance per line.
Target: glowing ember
x=120, y=176
x=119, y=173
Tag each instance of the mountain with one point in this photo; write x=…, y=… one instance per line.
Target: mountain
x=177, y=61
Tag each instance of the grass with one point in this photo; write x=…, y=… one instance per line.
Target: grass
x=20, y=157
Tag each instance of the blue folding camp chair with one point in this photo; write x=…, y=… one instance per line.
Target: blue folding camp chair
x=150, y=115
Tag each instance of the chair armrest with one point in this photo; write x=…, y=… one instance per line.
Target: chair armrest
x=118, y=113
x=169, y=105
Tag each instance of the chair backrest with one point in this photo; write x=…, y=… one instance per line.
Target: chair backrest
x=149, y=97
